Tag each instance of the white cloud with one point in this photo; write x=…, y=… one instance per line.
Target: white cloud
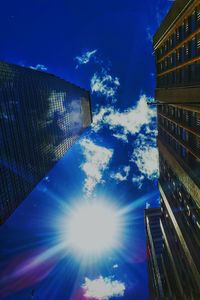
x=121, y=136
x=103, y=84
x=138, y=180
x=127, y=122
x=103, y=288
x=146, y=159
x=138, y=121
x=116, y=266
x=149, y=34
x=148, y=205
x=132, y=120
x=39, y=67
x=145, y=154
x=85, y=58
x=122, y=175
x=98, y=117
x=97, y=159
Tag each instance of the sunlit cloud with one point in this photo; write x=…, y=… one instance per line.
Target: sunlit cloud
x=138, y=121
x=122, y=174
x=146, y=159
x=121, y=136
x=149, y=34
x=126, y=122
x=97, y=159
x=116, y=266
x=104, y=84
x=85, y=57
x=99, y=117
x=103, y=288
x=131, y=120
x=145, y=154
x=148, y=205
x=138, y=180
x=39, y=67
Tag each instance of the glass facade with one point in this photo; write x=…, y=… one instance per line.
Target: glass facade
x=41, y=116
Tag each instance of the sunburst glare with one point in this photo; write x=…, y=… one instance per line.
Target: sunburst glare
x=93, y=228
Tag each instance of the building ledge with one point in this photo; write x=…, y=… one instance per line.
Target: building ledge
x=181, y=94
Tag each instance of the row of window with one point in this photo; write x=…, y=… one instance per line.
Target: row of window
x=185, y=117
x=189, y=25
x=183, y=54
x=181, y=134
x=188, y=75
x=180, y=194
x=173, y=247
x=174, y=129
x=190, y=162
x=172, y=142
x=184, y=208
x=13, y=186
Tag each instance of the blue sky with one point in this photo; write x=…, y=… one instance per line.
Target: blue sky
x=106, y=47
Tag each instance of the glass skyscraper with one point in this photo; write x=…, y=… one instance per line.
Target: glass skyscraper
x=41, y=116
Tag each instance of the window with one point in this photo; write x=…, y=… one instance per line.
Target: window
x=193, y=21
x=183, y=151
x=173, y=39
x=186, y=51
x=181, y=32
x=177, y=36
x=192, y=75
x=193, y=47
x=174, y=59
x=198, y=16
x=186, y=28
x=183, y=134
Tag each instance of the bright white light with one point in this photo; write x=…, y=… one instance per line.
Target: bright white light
x=93, y=228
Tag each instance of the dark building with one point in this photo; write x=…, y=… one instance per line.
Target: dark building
x=41, y=116
x=177, y=51
x=154, y=251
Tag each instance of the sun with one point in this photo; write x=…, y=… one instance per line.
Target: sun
x=93, y=228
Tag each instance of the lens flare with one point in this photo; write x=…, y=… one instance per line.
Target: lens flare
x=93, y=228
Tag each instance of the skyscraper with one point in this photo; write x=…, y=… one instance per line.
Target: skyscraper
x=41, y=116
x=177, y=51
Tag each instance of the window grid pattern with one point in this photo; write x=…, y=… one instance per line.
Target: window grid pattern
x=187, y=216
x=41, y=116
x=178, y=58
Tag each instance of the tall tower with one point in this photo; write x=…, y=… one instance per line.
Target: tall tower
x=41, y=116
x=177, y=51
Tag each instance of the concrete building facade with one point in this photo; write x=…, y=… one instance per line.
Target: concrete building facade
x=177, y=52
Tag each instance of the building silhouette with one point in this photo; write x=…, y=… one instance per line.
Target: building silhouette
x=177, y=52
x=41, y=116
